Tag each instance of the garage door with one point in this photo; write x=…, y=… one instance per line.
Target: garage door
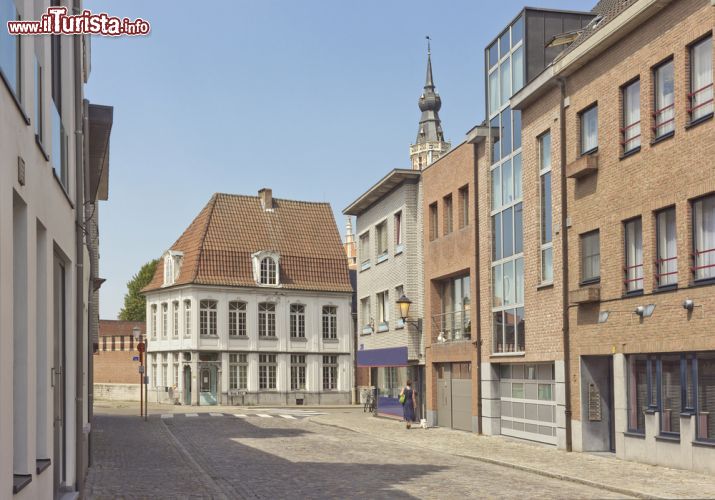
x=528, y=405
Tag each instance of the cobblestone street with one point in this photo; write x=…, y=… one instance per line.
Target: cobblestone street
x=287, y=454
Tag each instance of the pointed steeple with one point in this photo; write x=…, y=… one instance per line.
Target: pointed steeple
x=430, y=143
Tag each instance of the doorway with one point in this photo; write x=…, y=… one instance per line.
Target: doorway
x=597, y=415
x=208, y=381
x=187, y=385
x=58, y=372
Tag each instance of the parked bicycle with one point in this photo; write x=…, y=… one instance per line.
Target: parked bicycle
x=370, y=403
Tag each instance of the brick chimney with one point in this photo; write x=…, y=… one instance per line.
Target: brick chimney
x=266, y=196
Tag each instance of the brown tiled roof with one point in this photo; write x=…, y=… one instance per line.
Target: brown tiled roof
x=218, y=245
x=608, y=10
x=108, y=327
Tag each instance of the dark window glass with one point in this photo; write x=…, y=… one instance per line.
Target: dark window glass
x=518, y=229
x=505, y=132
x=516, y=118
x=637, y=394
x=670, y=394
x=496, y=146
x=493, y=54
x=496, y=237
x=508, y=229
x=517, y=31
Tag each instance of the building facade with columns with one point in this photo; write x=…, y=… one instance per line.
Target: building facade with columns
x=252, y=305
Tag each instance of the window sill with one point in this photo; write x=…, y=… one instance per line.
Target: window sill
x=668, y=438
x=399, y=249
x=16, y=100
x=19, y=481
x=365, y=266
x=634, y=434
x=366, y=331
x=630, y=153
x=508, y=354
x=383, y=327
x=666, y=288
x=703, y=282
x=545, y=285
x=202, y=336
x=41, y=465
x=704, y=444
x=238, y=337
x=41, y=148
x=592, y=281
x=662, y=138
x=589, y=152
x=330, y=341
x=633, y=293
x=267, y=337
x=298, y=339
x=650, y=411
x=700, y=120
x=382, y=258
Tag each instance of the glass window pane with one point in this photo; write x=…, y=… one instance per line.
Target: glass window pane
x=496, y=188
x=505, y=78
x=517, y=61
x=494, y=92
x=545, y=151
x=520, y=330
x=664, y=99
x=667, y=263
x=671, y=397
x=706, y=396
x=497, y=286
x=701, y=79
x=516, y=126
x=634, y=255
x=518, y=228
x=507, y=183
x=509, y=283
x=505, y=135
x=498, y=326
x=496, y=237
x=493, y=54
x=546, y=214
x=516, y=167
x=704, y=237
x=504, y=44
x=632, y=116
x=547, y=265
x=508, y=232
x=589, y=129
x=496, y=147
x=510, y=331
x=517, y=31
x=519, y=266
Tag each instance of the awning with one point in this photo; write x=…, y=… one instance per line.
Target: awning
x=100, y=127
x=393, y=356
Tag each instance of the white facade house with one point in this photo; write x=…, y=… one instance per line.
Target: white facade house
x=264, y=319
x=53, y=170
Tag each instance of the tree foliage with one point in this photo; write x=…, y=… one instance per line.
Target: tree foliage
x=134, y=303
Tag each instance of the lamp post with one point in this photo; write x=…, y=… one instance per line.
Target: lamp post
x=140, y=347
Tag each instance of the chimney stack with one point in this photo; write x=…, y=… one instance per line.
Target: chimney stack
x=266, y=196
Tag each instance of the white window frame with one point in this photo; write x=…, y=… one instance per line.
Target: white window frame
x=164, y=320
x=366, y=316
x=296, y=321
x=267, y=372
x=633, y=250
x=383, y=311
x=237, y=319
x=666, y=248
x=364, y=250
x=267, y=319
x=187, y=318
x=297, y=372
x=330, y=372
x=153, y=321
x=381, y=241
x=547, y=241
x=208, y=316
x=175, y=319
x=330, y=322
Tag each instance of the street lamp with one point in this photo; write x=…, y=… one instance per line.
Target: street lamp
x=404, y=304
x=141, y=347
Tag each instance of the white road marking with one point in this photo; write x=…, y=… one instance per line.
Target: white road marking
x=240, y=415
x=264, y=415
x=289, y=417
x=216, y=414
x=167, y=415
x=192, y=414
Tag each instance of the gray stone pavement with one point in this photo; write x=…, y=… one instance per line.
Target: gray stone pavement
x=619, y=476
x=314, y=457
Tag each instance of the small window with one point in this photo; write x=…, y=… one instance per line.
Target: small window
x=297, y=321
x=493, y=54
x=667, y=248
x=701, y=79
x=381, y=236
x=670, y=395
x=704, y=238
x=447, y=204
x=631, y=130
x=634, y=255
x=398, y=232
x=664, y=114
x=269, y=271
x=237, y=319
x=433, y=222
x=383, y=311
x=589, y=130
x=590, y=257
x=463, y=206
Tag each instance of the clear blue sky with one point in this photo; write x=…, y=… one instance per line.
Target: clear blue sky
x=315, y=99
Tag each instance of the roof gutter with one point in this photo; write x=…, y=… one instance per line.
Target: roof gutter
x=623, y=24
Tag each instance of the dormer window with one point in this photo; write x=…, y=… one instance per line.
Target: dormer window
x=266, y=269
x=172, y=266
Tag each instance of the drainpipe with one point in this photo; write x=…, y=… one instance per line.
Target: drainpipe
x=478, y=299
x=564, y=262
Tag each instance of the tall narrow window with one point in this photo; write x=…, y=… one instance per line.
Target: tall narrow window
x=383, y=311
x=187, y=318
x=266, y=319
x=433, y=222
x=330, y=373
x=637, y=393
x=237, y=319
x=175, y=318
x=165, y=369
x=269, y=271
x=706, y=396
x=176, y=368
x=121, y=342
x=39, y=107
x=704, y=238
x=164, y=320
x=365, y=315
x=267, y=371
x=237, y=371
x=153, y=321
x=589, y=130
x=633, y=230
x=664, y=113
x=590, y=257
x=297, y=372
x=701, y=79
x=547, y=259
x=365, y=250
x=10, y=60
x=667, y=259
x=114, y=343
x=381, y=236
x=447, y=206
x=463, y=206
x=330, y=322
x=631, y=131
x=297, y=321
x=104, y=343
x=207, y=317
x=670, y=395
x=398, y=232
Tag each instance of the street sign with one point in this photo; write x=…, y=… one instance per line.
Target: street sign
x=140, y=347
x=141, y=369
x=135, y=358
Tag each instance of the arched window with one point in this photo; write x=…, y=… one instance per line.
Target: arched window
x=269, y=274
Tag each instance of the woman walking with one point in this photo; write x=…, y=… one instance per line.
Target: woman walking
x=409, y=403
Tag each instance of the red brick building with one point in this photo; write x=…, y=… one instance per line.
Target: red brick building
x=113, y=362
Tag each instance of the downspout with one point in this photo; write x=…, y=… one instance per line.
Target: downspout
x=79, y=258
x=478, y=299
x=92, y=274
x=564, y=262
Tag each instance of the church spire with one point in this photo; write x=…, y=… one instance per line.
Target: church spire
x=430, y=143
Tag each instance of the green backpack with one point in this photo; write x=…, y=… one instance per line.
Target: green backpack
x=402, y=398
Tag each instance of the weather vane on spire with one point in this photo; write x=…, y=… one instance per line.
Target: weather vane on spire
x=429, y=51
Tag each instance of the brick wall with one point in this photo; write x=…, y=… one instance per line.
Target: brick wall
x=116, y=366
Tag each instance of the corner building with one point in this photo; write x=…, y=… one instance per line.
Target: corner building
x=628, y=109
x=252, y=305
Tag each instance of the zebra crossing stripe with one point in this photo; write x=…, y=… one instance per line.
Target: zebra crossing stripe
x=240, y=415
x=264, y=415
x=167, y=415
x=289, y=417
x=216, y=414
x=192, y=414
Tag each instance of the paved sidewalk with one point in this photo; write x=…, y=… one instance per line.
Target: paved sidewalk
x=619, y=476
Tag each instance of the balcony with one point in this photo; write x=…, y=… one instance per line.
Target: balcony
x=451, y=327
x=582, y=166
x=585, y=295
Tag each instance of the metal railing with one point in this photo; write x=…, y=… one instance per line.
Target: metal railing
x=451, y=326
